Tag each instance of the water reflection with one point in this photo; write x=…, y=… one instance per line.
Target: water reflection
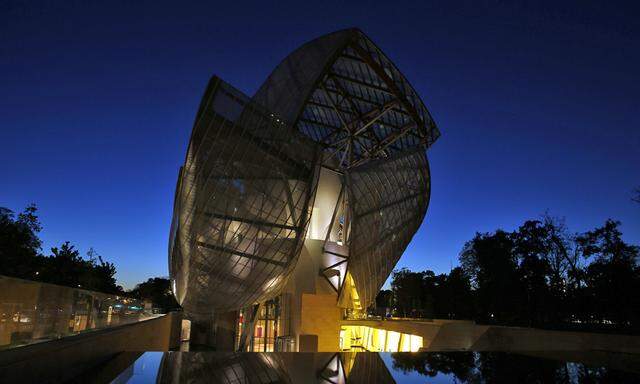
x=273, y=368
x=490, y=367
x=459, y=365
x=221, y=368
x=366, y=367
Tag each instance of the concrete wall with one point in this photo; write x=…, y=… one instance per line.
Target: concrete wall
x=530, y=339
x=311, y=300
x=329, y=186
x=321, y=317
x=62, y=359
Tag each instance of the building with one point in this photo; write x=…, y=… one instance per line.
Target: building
x=293, y=206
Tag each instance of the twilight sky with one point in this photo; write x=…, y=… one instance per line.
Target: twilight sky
x=538, y=107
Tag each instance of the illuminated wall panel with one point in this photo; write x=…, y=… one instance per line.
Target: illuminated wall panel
x=363, y=338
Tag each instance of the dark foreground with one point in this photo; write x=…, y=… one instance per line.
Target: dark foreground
x=365, y=367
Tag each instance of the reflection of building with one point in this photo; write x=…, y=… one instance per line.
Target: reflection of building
x=337, y=368
x=293, y=206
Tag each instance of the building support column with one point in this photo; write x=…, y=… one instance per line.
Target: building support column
x=213, y=331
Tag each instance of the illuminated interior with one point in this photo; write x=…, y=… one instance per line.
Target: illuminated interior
x=265, y=327
x=363, y=338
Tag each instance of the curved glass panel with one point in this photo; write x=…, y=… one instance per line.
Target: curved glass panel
x=389, y=199
x=241, y=205
x=244, y=195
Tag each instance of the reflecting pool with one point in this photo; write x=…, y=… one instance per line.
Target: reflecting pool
x=367, y=367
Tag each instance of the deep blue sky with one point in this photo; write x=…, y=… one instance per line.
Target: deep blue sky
x=538, y=107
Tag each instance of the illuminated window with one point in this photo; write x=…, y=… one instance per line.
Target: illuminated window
x=359, y=338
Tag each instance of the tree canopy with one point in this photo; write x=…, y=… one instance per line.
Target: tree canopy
x=157, y=290
x=538, y=275
x=21, y=256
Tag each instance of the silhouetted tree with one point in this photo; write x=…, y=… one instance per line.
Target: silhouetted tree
x=19, y=242
x=100, y=274
x=533, y=249
x=384, y=300
x=613, y=277
x=429, y=291
x=459, y=364
x=158, y=291
x=456, y=299
x=490, y=263
x=539, y=275
x=429, y=295
x=407, y=292
x=20, y=256
x=499, y=367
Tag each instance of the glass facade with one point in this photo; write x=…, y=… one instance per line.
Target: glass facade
x=241, y=206
x=266, y=328
x=32, y=312
x=330, y=155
